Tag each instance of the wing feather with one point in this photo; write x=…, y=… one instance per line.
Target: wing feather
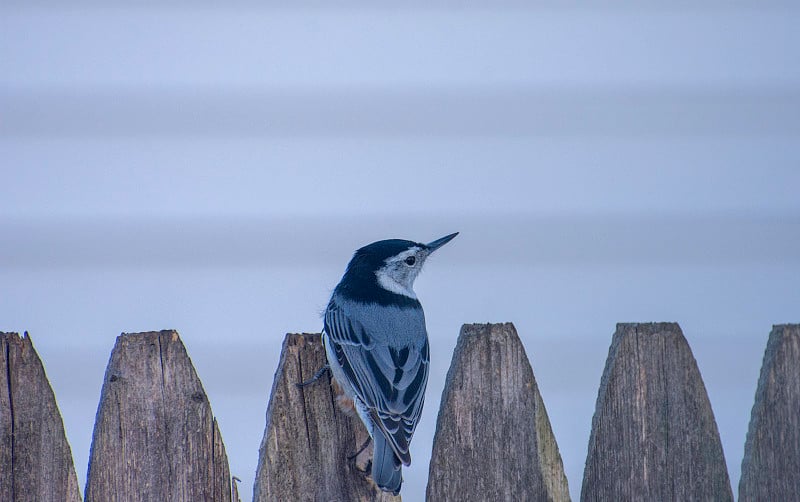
x=390, y=381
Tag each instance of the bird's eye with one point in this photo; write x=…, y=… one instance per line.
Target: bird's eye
x=410, y=261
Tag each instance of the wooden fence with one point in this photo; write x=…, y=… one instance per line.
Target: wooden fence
x=653, y=436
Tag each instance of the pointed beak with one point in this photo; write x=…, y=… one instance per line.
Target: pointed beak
x=433, y=246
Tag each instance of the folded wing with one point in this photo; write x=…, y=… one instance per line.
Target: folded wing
x=389, y=380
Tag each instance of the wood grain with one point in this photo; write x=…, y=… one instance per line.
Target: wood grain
x=493, y=437
x=155, y=437
x=307, y=439
x=771, y=464
x=35, y=457
x=654, y=436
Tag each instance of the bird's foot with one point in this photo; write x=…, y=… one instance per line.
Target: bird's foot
x=316, y=376
x=361, y=448
x=362, y=459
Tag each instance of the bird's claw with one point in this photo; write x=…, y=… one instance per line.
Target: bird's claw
x=361, y=448
x=316, y=376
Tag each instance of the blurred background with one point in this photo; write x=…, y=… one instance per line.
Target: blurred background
x=211, y=168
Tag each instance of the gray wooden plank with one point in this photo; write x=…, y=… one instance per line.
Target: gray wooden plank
x=35, y=457
x=155, y=437
x=771, y=463
x=654, y=436
x=307, y=438
x=493, y=437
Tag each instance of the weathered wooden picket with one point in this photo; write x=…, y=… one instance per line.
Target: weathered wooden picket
x=653, y=436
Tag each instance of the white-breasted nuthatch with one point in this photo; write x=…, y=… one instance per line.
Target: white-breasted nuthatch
x=377, y=347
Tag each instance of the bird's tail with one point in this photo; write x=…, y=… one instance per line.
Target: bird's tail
x=386, y=467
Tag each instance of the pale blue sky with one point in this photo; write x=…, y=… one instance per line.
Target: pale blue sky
x=211, y=169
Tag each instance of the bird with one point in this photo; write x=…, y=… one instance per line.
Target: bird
x=377, y=349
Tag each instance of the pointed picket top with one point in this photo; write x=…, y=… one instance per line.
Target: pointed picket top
x=771, y=464
x=654, y=436
x=35, y=457
x=493, y=437
x=155, y=437
x=307, y=438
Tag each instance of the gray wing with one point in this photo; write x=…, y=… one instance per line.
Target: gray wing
x=390, y=381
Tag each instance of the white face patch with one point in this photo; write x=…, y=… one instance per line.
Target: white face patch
x=397, y=276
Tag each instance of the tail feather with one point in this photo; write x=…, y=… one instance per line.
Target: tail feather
x=386, y=467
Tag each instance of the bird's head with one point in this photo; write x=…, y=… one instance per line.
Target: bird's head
x=392, y=265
